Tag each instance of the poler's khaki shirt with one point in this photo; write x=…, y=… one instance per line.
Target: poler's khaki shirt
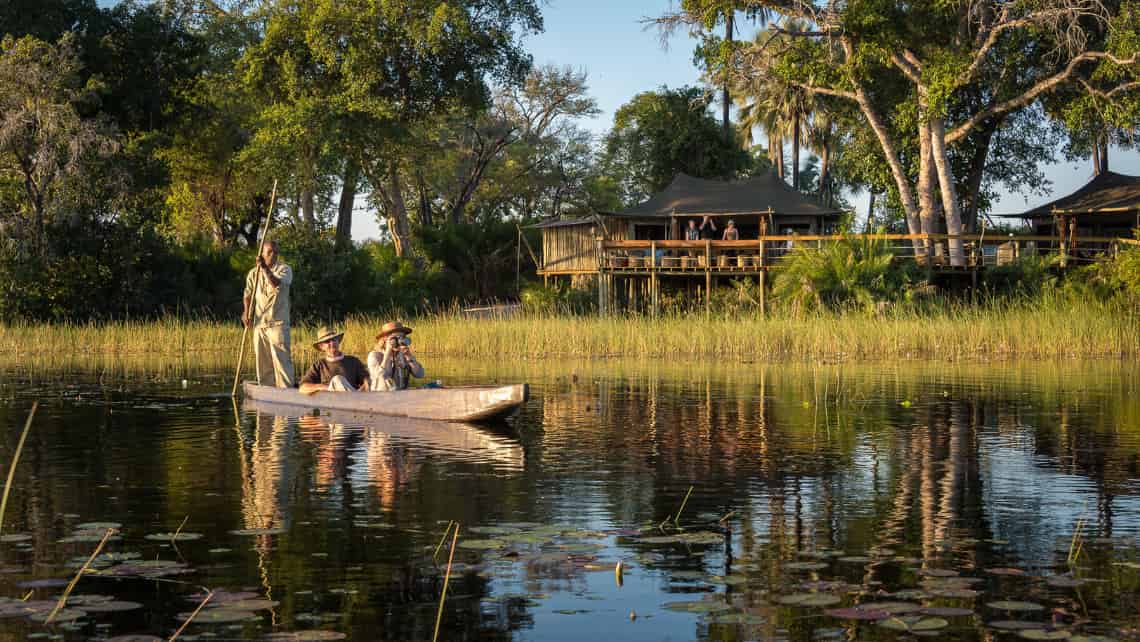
x=271, y=305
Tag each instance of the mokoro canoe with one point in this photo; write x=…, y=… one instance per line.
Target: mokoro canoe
x=466, y=403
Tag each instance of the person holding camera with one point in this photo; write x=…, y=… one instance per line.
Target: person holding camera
x=391, y=365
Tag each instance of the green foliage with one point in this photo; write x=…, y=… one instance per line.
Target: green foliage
x=1028, y=276
x=558, y=299
x=479, y=258
x=855, y=274
x=660, y=134
x=1109, y=280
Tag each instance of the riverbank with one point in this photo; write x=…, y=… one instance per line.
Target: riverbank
x=966, y=333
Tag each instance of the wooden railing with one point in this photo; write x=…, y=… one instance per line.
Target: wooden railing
x=755, y=255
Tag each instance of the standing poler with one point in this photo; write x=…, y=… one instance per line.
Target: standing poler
x=268, y=316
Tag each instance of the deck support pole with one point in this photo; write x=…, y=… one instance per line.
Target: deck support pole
x=708, y=277
x=761, y=262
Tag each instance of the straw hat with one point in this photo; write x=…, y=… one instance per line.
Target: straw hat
x=392, y=327
x=326, y=333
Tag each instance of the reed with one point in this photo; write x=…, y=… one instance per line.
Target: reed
x=446, y=579
x=16, y=460
x=186, y=623
x=75, y=580
x=1041, y=327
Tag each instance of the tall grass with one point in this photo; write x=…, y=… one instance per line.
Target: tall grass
x=1042, y=327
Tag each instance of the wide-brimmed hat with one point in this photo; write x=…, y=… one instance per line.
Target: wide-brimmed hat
x=391, y=328
x=326, y=333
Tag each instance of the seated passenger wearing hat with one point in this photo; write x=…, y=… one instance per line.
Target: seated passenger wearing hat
x=391, y=365
x=334, y=370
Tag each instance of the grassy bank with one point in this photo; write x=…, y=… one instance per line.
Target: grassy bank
x=1031, y=330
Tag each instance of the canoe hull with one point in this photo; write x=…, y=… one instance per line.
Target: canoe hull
x=474, y=403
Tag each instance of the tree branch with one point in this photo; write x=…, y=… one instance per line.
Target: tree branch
x=1033, y=92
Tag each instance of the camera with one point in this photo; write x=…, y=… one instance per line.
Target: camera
x=400, y=341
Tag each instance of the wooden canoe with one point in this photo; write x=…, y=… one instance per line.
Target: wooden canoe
x=467, y=403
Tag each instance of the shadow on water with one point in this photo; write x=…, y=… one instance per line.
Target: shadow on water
x=742, y=502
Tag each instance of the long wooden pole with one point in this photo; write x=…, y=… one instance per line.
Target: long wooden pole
x=256, y=283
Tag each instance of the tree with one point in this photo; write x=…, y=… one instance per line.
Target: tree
x=658, y=134
x=43, y=139
x=857, y=51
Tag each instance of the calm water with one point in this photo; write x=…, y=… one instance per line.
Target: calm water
x=743, y=502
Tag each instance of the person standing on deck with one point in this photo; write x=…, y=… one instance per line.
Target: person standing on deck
x=266, y=312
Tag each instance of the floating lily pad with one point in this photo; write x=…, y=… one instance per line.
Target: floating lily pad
x=728, y=580
x=805, y=566
x=113, y=606
x=1060, y=581
x=306, y=636
x=908, y=623
x=809, y=599
x=258, y=531
x=482, y=544
x=1009, y=605
x=937, y=572
x=135, y=638
x=894, y=608
x=946, y=611
x=660, y=539
x=492, y=530
x=12, y=538
x=856, y=613
x=180, y=537
x=88, y=536
x=62, y=615
x=701, y=537
x=697, y=606
x=1005, y=571
x=740, y=619
x=1042, y=634
x=253, y=604
x=43, y=583
x=911, y=594
x=218, y=616
x=855, y=559
x=97, y=526
x=955, y=593
x=84, y=598
x=1014, y=625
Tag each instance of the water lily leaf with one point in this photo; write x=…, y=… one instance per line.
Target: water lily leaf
x=258, y=531
x=166, y=537
x=218, y=616
x=809, y=599
x=1061, y=581
x=15, y=537
x=728, y=580
x=856, y=613
x=482, y=544
x=697, y=606
x=1092, y=638
x=62, y=615
x=43, y=583
x=492, y=530
x=701, y=537
x=253, y=604
x=894, y=608
x=1009, y=605
x=97, y=526
x=937, y=572
x=315, y=635
x=955, y=593
x=1042, y=634
x=1014, y=625
x=855, y=559
x=806, y=566
x=914, y=623
x=911, y=594
x=745, y=619
x=135, y=638
x=112, y=606
x=1005, y=571
x=946, y=611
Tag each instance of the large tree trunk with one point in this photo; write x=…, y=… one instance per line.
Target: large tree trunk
x=424, y=209
x=949, y=195
x=776, y=153
x=308, y=207
x=1096, y=157
x=725, y=97
x=974, y=175
x=1103, y=144
x=344, y=207
x=927, y=189
x=796, y=151
x=397, y=213
x=824, y=179
x=868, y=228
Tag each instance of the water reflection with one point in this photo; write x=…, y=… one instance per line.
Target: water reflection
x=866, y=484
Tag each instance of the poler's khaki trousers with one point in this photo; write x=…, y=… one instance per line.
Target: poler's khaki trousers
x=271, y=352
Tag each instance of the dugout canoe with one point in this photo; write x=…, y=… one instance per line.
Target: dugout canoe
x=464, y=403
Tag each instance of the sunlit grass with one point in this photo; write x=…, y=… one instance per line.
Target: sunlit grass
x=1032, y=329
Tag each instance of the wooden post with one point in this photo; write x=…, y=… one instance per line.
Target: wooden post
x=763, y=281
x=653, y=278
x=708, y=277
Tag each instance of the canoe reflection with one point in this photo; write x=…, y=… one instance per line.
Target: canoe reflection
x=382, y=454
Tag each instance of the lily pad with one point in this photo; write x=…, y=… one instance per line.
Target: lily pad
x=113, y=606
x=180, y=537
x=492, y=530
x=937, y=572
x=908, y=623
x=1005, y=571
x=855, y=559
x=258, y=604
x=62, y=615
x=52, y=582
x=1060, y=581
x=482, y=544
x=1042, y=634
x=15, y=537
x=806, y=566
x=856, y=613
x=701, y=537
x=1014, y=625
x=258, y=531
x=697, y=606
x=741, y=619
x=955, y=593
x=894, y=608
x=809, y=599
x=1010, y=605
x=135, y=638
x=306, y=636
x=946, y=611
x=97, y=526
x=218, y=616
